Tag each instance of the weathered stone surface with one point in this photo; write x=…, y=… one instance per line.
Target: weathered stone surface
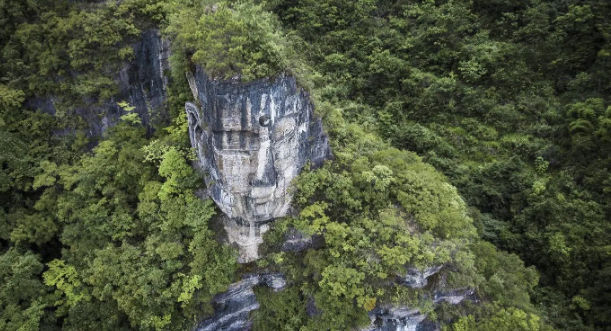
x=409, y=319
x=141, y=82
x=296, y=241
x=395, y=319
x=252, y=140
x=454, y=297
x=401, y=318
x=416, y=278
x=233, y=307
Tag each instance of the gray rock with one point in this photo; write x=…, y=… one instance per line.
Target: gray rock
x=274, y=281
x=408, y=319
x=142, y=83
x=251, y=141
x=311, y=308
x=395, y=319
x=401, y=318
x=297, y=244
x=233, y=306
x=296, y=241
x=454, y=297
x=416, y=278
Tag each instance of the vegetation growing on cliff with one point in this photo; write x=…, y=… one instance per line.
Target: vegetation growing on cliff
x=226, y=41
x=106, y=239
x=136, y=248
x=378, y=210
x=508, y=99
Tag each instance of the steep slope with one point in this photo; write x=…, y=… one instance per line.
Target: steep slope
x=252, y=140
x=102, y=217
x=142, y=83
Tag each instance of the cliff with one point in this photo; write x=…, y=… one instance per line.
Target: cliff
x=232, y=308
x=142, y=83
x=251, y=141
x=234, y=305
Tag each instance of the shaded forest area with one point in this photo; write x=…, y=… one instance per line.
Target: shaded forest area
x=508, y=99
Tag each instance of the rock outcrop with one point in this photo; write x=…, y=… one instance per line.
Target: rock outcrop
x=409, y=319
x=396, y=319
x=418, y=278
x=141, y=82
x=251, y=141
x=232, y=307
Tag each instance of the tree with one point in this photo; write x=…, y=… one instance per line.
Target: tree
x=24, y=299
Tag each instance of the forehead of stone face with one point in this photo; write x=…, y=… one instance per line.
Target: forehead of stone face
x=250, y=107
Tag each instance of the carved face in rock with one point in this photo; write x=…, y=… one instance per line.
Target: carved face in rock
x=252, y=141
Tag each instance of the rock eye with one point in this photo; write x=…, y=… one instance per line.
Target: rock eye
x=264, y=120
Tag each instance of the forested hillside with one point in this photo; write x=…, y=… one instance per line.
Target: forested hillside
x=509, y=99
x=470, y=134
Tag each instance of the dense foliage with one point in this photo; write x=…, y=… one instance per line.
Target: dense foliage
x=505, y=102
x=240, y=40
x=509, y=99
x=112, y=238
x=377, y=210
x=136, y=251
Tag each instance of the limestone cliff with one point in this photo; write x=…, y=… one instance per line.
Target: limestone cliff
x=251, y=141
x=142, y=83
x=403, y=318
x=232, y=308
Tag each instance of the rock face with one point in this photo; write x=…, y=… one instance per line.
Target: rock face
x=416, y=278
x=408, y=319
x=251, y=141
x=141, y=82
x=232, y=307
x=296, y=241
